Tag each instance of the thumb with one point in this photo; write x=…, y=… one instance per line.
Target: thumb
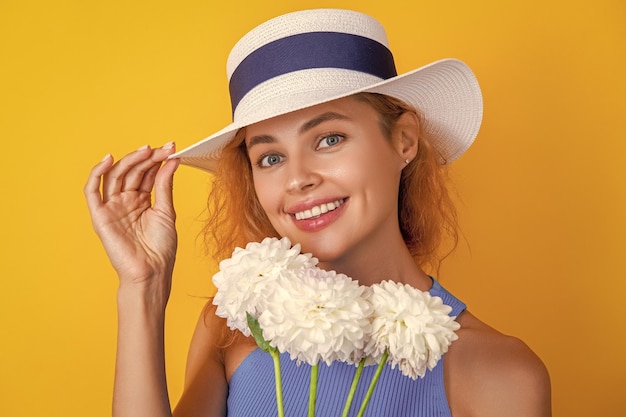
x=163, y=187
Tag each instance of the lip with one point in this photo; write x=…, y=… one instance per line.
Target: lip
x=319, y=222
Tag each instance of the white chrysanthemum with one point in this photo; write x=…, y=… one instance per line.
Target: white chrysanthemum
x=245, y=280
x=317, y=316
x=413, y=325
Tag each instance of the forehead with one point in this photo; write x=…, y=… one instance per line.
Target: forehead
x=348, y=108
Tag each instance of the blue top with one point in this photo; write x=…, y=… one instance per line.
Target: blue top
x=251, y=389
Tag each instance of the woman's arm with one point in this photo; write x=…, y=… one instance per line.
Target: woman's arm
x=140, y=387
x=140, y=240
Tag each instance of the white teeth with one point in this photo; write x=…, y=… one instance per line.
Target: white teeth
x=317, y=210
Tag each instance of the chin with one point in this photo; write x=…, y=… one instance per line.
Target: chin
x=329, y=257
x=327, y=248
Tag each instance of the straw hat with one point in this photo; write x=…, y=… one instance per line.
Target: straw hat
x=310, y=57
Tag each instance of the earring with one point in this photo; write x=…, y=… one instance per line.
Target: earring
x=407, y=161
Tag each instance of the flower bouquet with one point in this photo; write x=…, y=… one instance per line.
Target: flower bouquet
x=272, y=291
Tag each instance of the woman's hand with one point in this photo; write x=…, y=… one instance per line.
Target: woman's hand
x=138, y=236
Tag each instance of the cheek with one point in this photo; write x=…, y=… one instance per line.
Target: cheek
x=382, y=179
x=379, y=164
x=269, y=199
x=265, y=194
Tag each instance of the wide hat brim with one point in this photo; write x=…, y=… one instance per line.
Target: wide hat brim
x=445, y=93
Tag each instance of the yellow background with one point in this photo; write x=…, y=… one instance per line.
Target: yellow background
x=541, y=194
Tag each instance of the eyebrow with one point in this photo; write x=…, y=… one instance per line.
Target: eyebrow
x=256, y=140
x=321, y=119
x=324, y=117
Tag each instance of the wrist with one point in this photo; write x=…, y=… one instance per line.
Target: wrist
x=149, y=298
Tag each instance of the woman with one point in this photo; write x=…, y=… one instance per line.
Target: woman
x=330, y=148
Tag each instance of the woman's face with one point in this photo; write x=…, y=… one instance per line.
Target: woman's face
x=328, y=179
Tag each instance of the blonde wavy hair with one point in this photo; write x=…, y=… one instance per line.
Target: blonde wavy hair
x=426, y=213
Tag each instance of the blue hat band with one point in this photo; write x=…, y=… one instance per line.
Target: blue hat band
x=307, y=51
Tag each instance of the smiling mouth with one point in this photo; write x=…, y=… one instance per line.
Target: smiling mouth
x=319, y=210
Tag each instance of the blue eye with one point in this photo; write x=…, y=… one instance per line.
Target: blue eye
x=330, y=140
x=269, y=160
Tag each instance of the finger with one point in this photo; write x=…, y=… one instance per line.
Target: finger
x=141, y=178
x=140, y=173
x=164, y=184
x=147, y=180
x=113, y=180
x=92, y=187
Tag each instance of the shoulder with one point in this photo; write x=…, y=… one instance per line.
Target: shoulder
x=492, y=374
x=205, y=380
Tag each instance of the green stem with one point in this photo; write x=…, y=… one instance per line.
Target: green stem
x=313, y=389
x=355, y=383
x=373, y=382
x=279, y=383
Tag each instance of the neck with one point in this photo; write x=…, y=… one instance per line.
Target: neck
x=392, y=262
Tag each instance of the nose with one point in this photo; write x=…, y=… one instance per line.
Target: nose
x=301, y=176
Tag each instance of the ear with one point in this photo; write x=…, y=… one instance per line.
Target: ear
x=406, y=136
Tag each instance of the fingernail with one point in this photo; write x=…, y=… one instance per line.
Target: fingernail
x=107, y=156
x=168, y=145
x=143, y=147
